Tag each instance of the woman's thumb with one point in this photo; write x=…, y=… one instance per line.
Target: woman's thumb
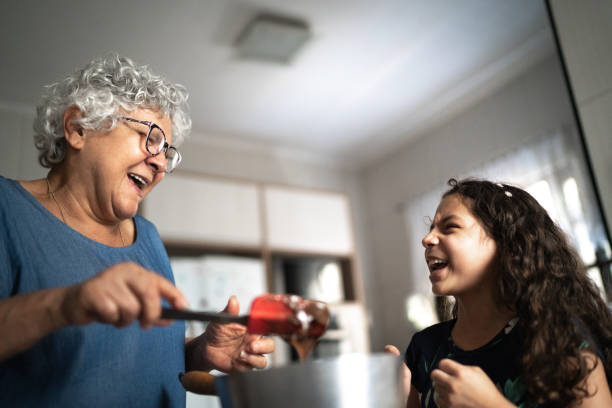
x=232, y=307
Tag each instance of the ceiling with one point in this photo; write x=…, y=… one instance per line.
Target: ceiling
x=372, y=77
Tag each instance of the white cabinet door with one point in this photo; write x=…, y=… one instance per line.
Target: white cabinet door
x=207, y=210
x=306, y=220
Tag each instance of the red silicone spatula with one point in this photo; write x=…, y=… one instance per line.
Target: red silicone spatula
x=270, y=314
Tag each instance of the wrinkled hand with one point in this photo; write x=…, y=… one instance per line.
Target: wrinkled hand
x=406, y=374
x=461, y=386
x=120, y=295
x=228, y=347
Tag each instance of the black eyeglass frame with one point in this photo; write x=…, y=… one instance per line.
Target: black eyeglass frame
x=165, y=146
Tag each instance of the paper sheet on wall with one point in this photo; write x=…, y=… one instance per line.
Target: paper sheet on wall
x=207, y=282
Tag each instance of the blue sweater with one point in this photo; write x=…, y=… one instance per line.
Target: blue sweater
x=89, y=366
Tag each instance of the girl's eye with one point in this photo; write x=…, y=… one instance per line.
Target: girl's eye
x=450, y=226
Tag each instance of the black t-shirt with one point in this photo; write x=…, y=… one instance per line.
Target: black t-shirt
x=499, y=359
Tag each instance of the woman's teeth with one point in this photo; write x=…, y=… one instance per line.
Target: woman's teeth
x=140, y=182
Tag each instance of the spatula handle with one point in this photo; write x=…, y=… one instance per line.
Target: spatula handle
x=176, y=314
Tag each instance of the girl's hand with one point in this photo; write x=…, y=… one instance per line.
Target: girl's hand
x=406, y=374
x=461, y=386
x=228, y=347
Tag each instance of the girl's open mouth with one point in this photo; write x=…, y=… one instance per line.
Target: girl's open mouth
x=435, y=264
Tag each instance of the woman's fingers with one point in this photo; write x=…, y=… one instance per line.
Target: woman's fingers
x=171, y=293
x=149, y=288
x=249, y=360
x=232, y=307
x=105, y=310
x=252, y=355
x=106, y=303
x=150, y=306
x=128, y=308
x=121, y=294
x=261, y=345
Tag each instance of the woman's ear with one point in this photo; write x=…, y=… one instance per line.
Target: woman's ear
x=73, y=131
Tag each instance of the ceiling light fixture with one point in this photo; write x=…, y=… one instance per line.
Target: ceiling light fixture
x=272, y=38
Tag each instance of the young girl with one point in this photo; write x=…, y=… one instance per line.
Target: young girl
x=529, y=327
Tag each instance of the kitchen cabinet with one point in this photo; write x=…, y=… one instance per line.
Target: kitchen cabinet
x=205, y=210
x=307, y=220
x=197, y=214
x=216, y=211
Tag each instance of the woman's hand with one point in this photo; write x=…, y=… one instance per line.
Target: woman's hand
x=459, y=386
x=119, y=295
x=406, y=374
x=227, y=347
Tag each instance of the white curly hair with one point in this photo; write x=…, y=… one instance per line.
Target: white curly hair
x=100, y=89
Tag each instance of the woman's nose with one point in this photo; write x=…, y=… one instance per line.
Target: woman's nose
x=158, y=162
x=430, y=239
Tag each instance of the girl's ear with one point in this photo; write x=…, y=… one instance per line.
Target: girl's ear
x=73, y=132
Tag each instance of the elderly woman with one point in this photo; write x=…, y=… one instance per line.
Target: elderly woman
x=76, y=259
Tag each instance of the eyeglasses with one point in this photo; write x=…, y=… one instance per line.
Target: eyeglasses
x=156, y=143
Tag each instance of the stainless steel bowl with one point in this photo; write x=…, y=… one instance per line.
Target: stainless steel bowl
x=350, y=380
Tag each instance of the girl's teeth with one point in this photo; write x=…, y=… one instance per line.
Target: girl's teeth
x=437, y=264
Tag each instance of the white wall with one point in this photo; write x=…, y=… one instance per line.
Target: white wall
x=18, y=156
x=529, y=107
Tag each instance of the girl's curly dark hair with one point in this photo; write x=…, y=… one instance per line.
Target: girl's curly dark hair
x=542, y=279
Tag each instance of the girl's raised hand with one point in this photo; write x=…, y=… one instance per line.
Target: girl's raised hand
x=457, y=386
x=406, y=374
